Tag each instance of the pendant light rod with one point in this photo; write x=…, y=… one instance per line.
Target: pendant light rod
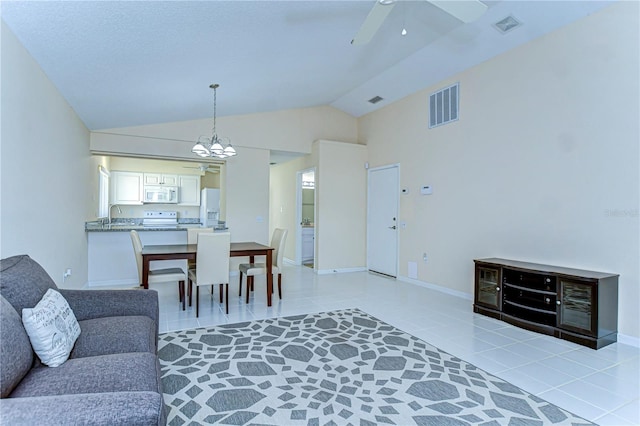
x=213, y=147
x=214, y=87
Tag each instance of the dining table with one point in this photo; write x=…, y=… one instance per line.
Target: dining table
x=188, y=251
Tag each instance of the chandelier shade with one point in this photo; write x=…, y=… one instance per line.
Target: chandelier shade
x=214, y=146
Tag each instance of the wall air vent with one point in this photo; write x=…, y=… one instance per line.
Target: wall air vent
x=507, y=24
x=375, y=100
x=443, y=106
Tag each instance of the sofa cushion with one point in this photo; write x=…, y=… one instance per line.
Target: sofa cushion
x=129, y=372
x=16, y=354
x=111, y=335
x=107, y=409
x=23, y=281
x=113, y=303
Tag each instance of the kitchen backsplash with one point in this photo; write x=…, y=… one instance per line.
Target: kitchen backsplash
x=138, y=211
x=138, y=220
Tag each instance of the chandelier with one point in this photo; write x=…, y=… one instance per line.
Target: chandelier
x=214, y=146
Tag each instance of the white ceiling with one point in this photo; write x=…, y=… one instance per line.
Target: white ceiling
x=127, y=63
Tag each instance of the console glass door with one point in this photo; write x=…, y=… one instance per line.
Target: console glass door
x=488, y=287
x=576, y=306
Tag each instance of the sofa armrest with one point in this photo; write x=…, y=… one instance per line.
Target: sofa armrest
x=89, y=304
x=118, y=408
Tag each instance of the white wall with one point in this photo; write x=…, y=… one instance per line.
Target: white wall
x=542, y=165
x=47, y=189
x=341, y=194
x=247, y=196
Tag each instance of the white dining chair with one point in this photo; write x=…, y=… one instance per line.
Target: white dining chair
x=192, y=234
x=192, y=238
x=159, y=275
x=252, y=269
x=212, y=266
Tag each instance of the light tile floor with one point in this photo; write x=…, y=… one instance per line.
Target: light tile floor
x=602, y=386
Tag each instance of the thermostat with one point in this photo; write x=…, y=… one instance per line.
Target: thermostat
x=426, y=190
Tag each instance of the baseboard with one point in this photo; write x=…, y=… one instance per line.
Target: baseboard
x=340, y=270
x=629, y=340
x=112, y=283
x=441, y=289
x=290, y=261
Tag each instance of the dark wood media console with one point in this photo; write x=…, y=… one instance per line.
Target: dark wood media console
x=571, y=304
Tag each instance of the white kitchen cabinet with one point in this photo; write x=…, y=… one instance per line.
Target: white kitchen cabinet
x=189, y=190
x=307, y=244
x=126, y=188
x=160, y=179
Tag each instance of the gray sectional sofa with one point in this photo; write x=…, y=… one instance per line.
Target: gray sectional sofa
x=112, y=376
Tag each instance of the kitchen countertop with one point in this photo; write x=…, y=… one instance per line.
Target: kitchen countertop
x=124, y=227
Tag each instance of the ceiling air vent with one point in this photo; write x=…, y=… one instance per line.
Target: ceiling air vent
x=507, y=24
x=375, y=100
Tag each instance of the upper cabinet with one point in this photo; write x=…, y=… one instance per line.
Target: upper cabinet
x=126, y=188
x=189, y=190
x=161, y=179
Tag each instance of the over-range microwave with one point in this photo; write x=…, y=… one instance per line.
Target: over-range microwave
x=165, y=194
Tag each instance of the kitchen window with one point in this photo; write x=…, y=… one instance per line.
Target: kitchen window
x=103, y=192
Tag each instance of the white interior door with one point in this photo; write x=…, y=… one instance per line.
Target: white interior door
x=382, y=220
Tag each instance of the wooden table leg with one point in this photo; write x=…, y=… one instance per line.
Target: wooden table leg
x=145, y=273
x=251, y=260
x=269, y=277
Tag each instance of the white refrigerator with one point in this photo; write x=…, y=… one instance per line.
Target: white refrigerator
x=209, y=207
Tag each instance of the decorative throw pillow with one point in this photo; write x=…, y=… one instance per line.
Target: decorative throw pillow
x=52, y=328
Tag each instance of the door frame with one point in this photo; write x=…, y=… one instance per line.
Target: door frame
x=397, y=206
x=299, y=173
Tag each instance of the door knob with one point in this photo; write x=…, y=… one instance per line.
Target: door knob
x=392, y=227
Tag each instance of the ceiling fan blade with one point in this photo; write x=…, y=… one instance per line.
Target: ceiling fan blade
x=465, y=10
x=372, y=23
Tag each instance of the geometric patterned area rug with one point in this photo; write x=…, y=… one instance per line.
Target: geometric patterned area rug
x=333, y=368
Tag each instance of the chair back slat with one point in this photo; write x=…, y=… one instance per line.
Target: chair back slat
x=212, y=258
x=277, y=242
x=137, y=249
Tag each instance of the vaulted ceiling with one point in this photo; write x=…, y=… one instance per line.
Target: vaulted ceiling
x=127, y=63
